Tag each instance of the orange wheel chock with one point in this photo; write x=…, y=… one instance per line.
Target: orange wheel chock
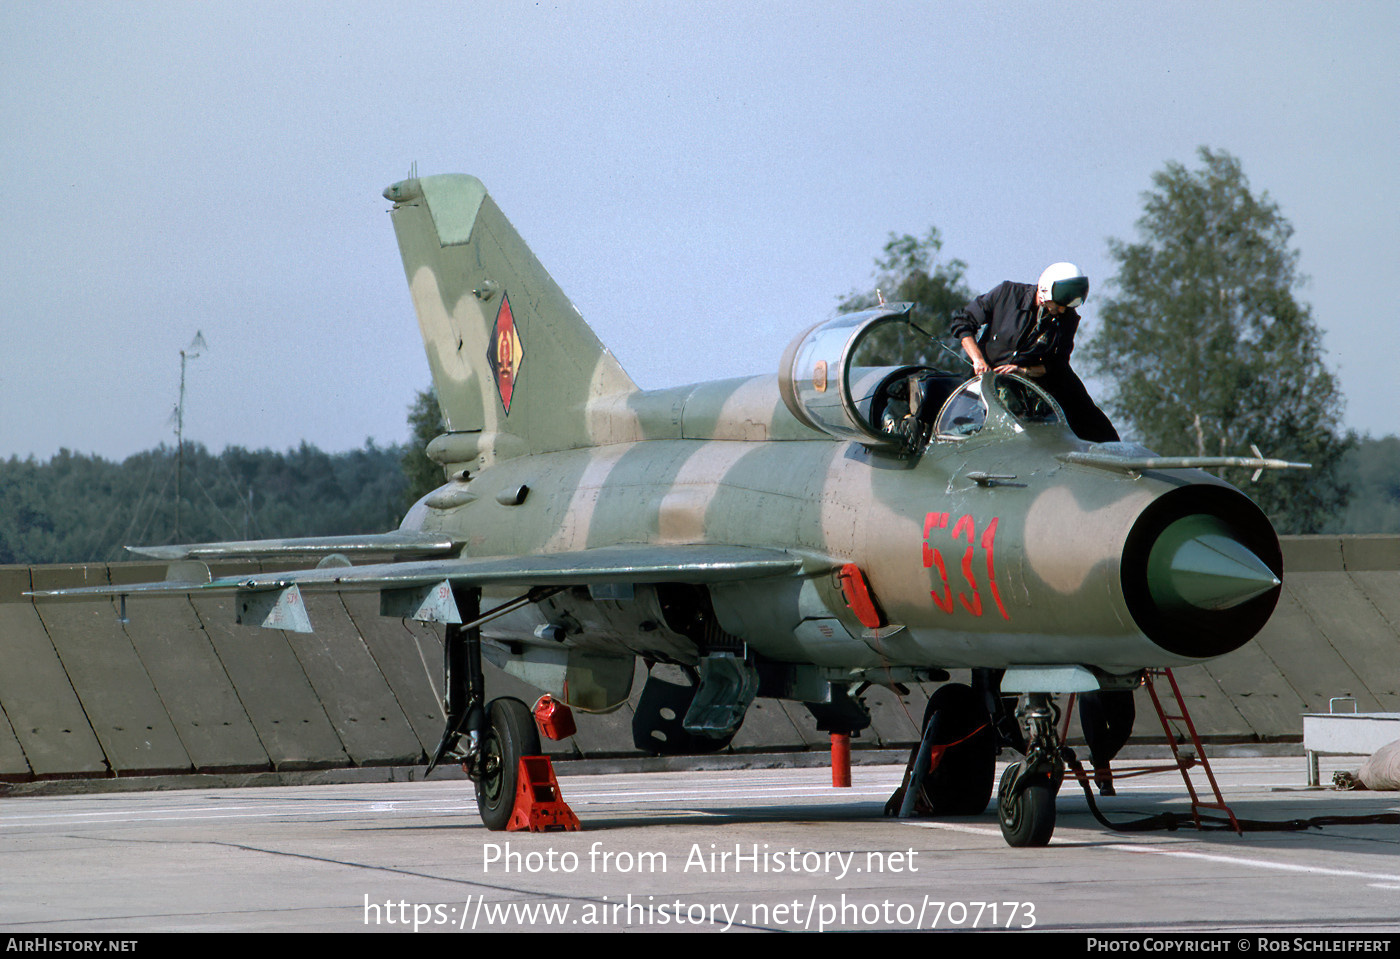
x=538, y=805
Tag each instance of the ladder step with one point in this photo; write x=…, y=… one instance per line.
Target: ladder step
x=1199, y=759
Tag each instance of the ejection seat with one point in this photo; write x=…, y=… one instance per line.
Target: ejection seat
x=907, y=401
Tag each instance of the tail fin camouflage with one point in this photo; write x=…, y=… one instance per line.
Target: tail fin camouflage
x=513, y=362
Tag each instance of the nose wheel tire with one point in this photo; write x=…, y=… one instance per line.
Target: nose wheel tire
x=1026, y=810
x=511, y=734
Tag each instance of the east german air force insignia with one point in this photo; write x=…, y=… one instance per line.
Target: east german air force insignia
x=505, y=353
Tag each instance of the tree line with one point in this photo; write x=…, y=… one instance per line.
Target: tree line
x=80, y=508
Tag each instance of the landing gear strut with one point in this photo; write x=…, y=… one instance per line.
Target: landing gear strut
x=1026, y=797
x=488, y=739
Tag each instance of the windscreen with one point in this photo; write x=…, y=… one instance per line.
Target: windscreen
x=967, y=411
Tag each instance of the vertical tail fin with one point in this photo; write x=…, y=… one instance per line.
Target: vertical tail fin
x=513, y=362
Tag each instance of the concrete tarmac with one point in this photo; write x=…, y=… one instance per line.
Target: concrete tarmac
x=731, y=850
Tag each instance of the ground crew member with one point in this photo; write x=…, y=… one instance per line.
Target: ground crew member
x=1029, y=329
x=1106, y=716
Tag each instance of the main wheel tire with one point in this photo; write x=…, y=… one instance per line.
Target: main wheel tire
x=1027, y=818
x=961, y=783
x=511, y=733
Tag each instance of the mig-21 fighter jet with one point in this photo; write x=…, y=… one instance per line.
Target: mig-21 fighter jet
x=799, y=535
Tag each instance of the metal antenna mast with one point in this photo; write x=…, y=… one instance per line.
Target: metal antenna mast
x=188, y=353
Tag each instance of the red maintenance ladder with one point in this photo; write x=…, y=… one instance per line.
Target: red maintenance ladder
x=1183, y=761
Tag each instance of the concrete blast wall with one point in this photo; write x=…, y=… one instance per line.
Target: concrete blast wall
x=180, y=689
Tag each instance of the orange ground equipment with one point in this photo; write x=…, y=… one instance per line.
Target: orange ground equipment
x=1183, y=760
x=539, y=807
x=555, y=719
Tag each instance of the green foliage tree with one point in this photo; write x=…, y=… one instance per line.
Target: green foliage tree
x=1204, y=347
x=1372, y=467
x=77, y=508
x=424, y=424
x=909, y=271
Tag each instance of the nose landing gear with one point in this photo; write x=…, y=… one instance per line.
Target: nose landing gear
x=1026, y=796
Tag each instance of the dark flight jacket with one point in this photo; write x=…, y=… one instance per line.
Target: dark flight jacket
x=1014, y=330
x=1011, y=331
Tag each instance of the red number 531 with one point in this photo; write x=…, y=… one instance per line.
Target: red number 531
x=934, y=524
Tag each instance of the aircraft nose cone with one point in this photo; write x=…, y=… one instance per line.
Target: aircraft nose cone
x=1197, y=562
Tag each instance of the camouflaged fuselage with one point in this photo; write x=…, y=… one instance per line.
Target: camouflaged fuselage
x=982, y=547
x=1012, y=572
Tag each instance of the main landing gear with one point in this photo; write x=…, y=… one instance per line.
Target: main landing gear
x=488, y=739
x=961, y=782
x=958, y=782
x=1026, y=797
x=495, y=769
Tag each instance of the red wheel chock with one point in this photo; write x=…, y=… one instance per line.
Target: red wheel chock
x=538, y=805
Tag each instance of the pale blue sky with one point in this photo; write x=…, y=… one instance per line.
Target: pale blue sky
x=703, y=179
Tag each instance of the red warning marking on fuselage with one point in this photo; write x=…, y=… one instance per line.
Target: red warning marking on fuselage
x=933, y=559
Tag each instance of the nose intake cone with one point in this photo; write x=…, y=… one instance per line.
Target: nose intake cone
x=1198, y=562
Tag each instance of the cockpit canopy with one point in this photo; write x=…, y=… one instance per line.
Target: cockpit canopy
x=968, y=409
x=894, y=409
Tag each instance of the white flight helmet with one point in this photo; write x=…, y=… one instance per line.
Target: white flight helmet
x=1062, y=283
